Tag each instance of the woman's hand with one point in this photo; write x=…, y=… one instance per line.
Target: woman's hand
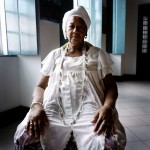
x=37, y=121
x=103, y=121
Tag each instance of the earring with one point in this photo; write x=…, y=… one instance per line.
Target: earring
x=85, y=36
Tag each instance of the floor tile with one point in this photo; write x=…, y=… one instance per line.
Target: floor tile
x=131, y=121
x=130, y=136
x=6, y=137
x=147, y=143
x=142, y=132
x=145, y=119
x=136, y=146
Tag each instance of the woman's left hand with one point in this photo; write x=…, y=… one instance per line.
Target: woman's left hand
x=103, y=121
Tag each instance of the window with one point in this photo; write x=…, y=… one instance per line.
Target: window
x=145, y=34
x=94, y=8
x=18, y=29
x=118, y=38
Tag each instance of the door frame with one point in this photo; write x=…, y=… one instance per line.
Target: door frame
x=143, y=59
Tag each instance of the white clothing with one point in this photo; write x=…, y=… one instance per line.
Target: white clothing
x=58, y=134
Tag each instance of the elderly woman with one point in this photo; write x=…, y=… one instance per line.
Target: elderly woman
x=76, y=94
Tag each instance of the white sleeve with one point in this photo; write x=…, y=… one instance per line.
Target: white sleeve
x=48, y=64
x=104, y=64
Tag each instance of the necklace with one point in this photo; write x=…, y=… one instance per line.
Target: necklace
x=81, y=99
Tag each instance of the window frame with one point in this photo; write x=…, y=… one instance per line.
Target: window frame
x=116, y=44
x=4, y=41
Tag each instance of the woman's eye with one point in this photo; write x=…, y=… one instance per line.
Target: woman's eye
x=82, y=28
x=71, y=26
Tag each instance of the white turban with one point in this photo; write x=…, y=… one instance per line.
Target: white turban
x=77, y=11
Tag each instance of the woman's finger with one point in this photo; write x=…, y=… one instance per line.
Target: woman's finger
x=98, y=124
x=108, y=129
x=95, y=118
x=36, y=129
x=102, y=127
x=30, y=128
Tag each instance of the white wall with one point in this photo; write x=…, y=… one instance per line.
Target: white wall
x=117, y=67
x=49, y=37
x=126, y=63
x=9, y=83
x=29, y=73
x=129, y=58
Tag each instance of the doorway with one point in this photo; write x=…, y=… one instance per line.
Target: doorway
x=143, y=42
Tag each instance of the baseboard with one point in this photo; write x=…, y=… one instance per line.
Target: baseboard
x=126, y=77
x=12, y=115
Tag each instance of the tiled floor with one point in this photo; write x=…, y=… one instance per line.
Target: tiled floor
x=134, y=110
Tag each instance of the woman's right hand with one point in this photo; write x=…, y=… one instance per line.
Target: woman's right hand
x=37, y=121
x=103, y=120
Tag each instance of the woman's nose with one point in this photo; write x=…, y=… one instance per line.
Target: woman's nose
x=75, y=29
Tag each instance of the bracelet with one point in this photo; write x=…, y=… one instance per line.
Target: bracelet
x=109, y=107
x=36, y=103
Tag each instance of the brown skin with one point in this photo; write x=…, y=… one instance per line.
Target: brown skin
x=104, y=115
x=37, y=114
x=76, y=31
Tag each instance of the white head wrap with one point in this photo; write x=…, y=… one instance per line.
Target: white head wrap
x=77, y=11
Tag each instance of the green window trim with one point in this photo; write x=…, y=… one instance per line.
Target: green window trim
x=119, y=22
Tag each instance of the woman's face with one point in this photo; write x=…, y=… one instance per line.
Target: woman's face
x=76, y=30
